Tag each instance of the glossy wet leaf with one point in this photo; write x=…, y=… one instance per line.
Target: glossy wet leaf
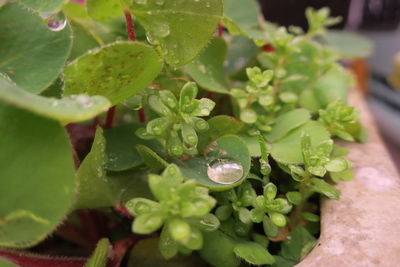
x=297, y=244
x=97, y=188
x=68, y=109
x=224, y=244
x=287, y=122
x=116, y=71
x=243, y=17
x=288, y=149
x=222, y=125
x=32, y=202
x=228, y=147
x=43, y=6
x=208, y=68
x=151, y=158
x=83, y=40
x=100, y=255
x=104, y=10
x=253, y=253
x=349, y=44
x=174, y=28
x=31, y=54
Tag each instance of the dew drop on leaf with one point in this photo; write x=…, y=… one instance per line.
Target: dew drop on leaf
x=141, y=2
x=56, y=24
x=162, y=30
x=224, y=171
x=160, y=2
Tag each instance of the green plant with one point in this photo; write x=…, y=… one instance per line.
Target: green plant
x=210, y=145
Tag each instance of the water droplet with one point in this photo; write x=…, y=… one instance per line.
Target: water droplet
x=208, y=4
x=151, y=38
x=224, y=171
x=161, y=30
x=141, y=2
x=160, y=2
x=99, y=171
x=84, y=101
x=202, y=69
x=56, y=23
x=112, y=157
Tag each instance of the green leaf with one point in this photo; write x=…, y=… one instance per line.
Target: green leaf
x=282, y=262
x=309, y=101
x=253, y=253
x=68, y=109
x=270, y=229
x=116, y=71
x=104, y=10
x=34, y=59
x=121, y=147
x=337, y=165
x=217, y=241
x=174, y=28
x=222, y=125
x=244, y=20
x=309, y=216
x=346, y=175
x=288, y=149
x=208, y=68
x=228, y=147
x=322, y=187
x=297, y=244
x=98, y=189
x=146, y=254
x=240, y=51
x=287, y=122
x=43, y=6
x=37, y=182
x=83, y=40
x=294, y=197
x=348, y=44
x=332, y=86
x=151, y=158
x=100, y=255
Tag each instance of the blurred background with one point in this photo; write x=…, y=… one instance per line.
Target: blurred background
x=378, y=73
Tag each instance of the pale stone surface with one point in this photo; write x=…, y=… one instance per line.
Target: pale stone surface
x=363, y=227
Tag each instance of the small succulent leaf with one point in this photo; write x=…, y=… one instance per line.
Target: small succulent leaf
x=253, y=253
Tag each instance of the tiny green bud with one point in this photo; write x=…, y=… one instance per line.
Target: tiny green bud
x=248, y=115
x=147, y=223
x=179, y=229
x=278, y=219
x=270, y=191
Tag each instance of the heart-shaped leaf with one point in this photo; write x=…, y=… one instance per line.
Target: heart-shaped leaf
x=232, y=157
x=34, y=59
x=116, y=71
x=208, y=68
x=37, y=176
x=173, y=26
x=68, y=109
x=288, y=149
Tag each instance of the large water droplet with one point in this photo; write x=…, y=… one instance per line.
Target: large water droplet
x=224, y=171
x=161, y=30
x=56, y=23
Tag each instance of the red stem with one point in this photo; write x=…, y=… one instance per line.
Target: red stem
x=129, y=26
x=141, y=115
x=110, y=118
x=220, y=30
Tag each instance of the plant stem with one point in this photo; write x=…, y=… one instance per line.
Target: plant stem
x=110, y=118
x=141, y=115
x=129, y=25
x=220, y=30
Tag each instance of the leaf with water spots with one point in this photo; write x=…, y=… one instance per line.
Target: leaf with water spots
x=116, y=71
x=98, y=188
x=68, y=109
x=208, y=68
x=37, y=176
x=225, y=164
x=179, y=29
x=30, y=53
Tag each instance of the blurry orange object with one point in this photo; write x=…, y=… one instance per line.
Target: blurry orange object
x=360, y=69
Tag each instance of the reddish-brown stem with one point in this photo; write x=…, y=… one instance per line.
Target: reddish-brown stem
x=220, y=30
x=268, y=48
x=141, y=115
x=129, y=25
x=109, y=118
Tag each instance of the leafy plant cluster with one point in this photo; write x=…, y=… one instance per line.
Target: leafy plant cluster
x=213, y=148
